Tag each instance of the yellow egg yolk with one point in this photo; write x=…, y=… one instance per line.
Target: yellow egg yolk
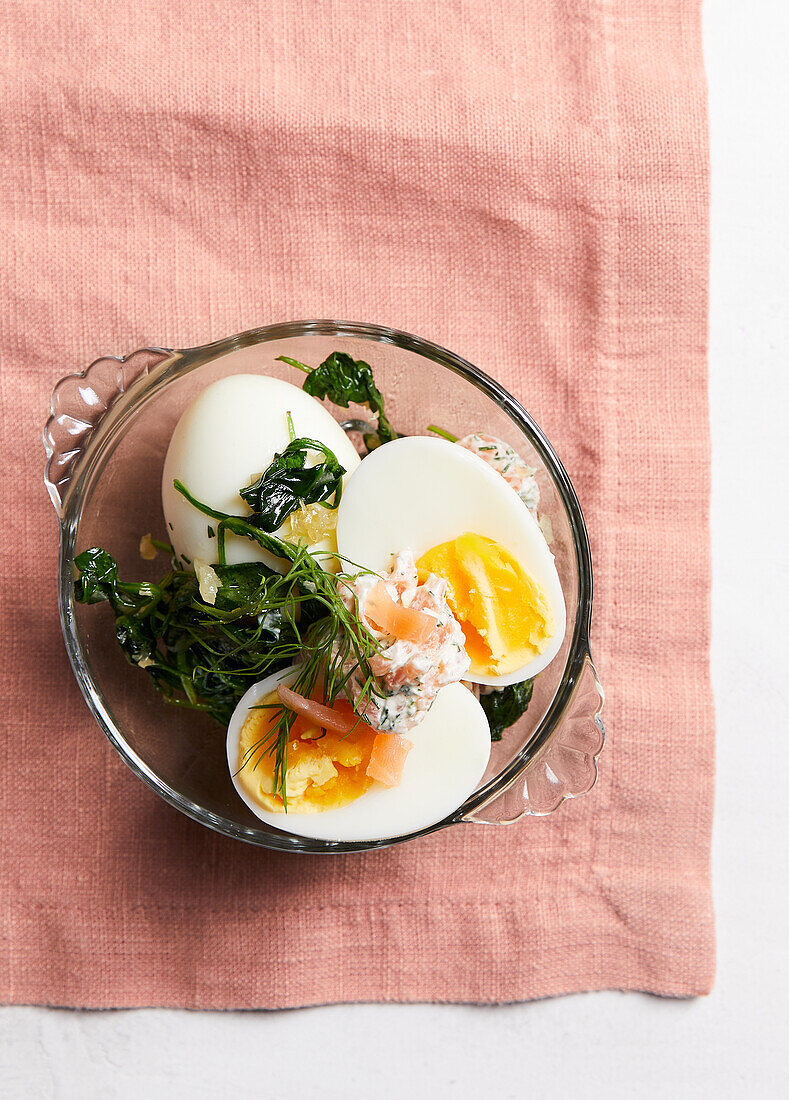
x=322, y=772
x=503, y=612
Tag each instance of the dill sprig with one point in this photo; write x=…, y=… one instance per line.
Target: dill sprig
x=337, y=648
x=204, y=657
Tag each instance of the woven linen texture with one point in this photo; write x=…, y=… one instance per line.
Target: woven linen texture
x=524, y=182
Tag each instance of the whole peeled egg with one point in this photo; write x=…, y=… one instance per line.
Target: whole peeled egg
x=450, y=753
x=223, y=441
x=465, y=523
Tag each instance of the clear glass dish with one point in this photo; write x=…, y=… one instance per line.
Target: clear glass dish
x=105, y=441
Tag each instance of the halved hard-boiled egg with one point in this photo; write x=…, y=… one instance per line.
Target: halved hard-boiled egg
x=224, y=440
x=330, y=795
x=464, y=523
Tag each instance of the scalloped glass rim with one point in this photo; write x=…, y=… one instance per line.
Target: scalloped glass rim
x=132, y=393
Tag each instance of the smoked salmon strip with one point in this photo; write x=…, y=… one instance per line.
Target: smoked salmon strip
x=392, y=618
x=330, y=718
x=388, y=758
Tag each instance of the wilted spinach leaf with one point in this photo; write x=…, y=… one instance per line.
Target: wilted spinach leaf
x=98, y=580
x=506, y=706
x=201, y=656
x=289, y=482
x=243, y=586
x=98, y=576
x=136, y=638
x=344, y=380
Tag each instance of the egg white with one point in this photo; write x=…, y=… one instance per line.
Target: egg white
x=224, y=440
x=449, y=757
x=418, y=492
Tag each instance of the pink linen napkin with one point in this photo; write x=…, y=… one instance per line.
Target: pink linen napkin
x=526, y=183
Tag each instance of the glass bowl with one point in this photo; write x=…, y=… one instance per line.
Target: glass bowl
x=105, y=441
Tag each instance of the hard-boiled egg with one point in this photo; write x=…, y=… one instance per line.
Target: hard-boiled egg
x=464, y=523
x=450, y=752
x=224, y=440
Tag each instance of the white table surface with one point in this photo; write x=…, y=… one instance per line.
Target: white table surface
x=731, y=1044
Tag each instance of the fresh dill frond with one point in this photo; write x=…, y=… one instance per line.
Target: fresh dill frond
x=336, y=648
